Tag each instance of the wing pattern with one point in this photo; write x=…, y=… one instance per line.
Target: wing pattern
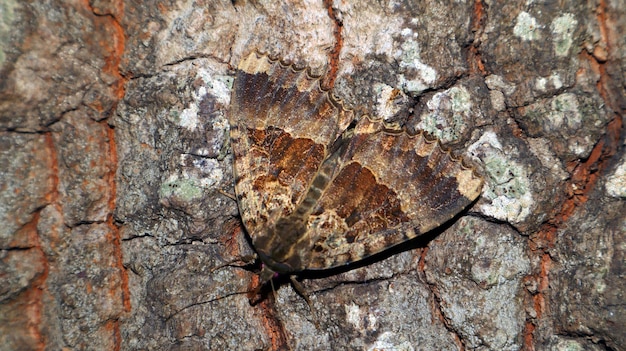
x=314, y=194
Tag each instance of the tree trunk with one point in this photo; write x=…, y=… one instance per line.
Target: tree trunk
x=115, y=162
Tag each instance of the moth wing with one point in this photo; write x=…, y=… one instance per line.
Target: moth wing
x=282, y=123
x=390, y=187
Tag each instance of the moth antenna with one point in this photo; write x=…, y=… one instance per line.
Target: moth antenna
x=228, y=195
x=244, y=259
x=209, y=301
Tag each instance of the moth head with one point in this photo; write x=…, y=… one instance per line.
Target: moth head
x=267, y=274
x=285, y=247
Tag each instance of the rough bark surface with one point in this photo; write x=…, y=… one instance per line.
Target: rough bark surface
x=114, y=161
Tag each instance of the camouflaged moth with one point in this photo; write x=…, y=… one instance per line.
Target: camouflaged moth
x=318, y=189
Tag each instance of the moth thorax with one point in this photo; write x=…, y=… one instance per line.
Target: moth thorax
x=290, y=230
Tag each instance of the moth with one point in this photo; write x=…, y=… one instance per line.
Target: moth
x=318, y=188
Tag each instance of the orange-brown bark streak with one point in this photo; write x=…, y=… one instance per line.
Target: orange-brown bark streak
x=474, y=58
x=32, y=298
x=333, y=68
x=584, y=175
x=34, y=295
x=113, y=49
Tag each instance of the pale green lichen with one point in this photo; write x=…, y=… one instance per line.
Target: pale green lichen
x=564, y=116
x=508, y=184
x=563, y=28
x=185, y=189
x=567, y=345
x=447, y=114
x=410, y=59
x=563, y=112
x=526, y=27
x=7, y=17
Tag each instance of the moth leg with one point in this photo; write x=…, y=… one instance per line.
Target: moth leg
x=299, y=288
x=301, y=291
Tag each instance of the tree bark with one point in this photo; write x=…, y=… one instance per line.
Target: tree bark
x=115, y=161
